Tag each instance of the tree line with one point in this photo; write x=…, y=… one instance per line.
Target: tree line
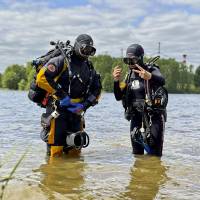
x=180, y=78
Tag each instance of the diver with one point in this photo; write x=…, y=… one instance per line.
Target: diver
x=72, y=86
x=144, y=99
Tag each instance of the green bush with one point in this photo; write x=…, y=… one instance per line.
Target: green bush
x=22, y=84
x=197, y=77
x=107, y=83
x=179, y=77
x=0, y=80
x=12, y=76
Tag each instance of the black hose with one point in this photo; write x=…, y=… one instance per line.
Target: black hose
x=87, y=140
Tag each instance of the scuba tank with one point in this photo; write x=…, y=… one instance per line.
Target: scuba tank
x=37, y=94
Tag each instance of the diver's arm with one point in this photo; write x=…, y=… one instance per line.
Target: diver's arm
x=119, y=90
x=157, y=77
x=95, y=91
x=119, y=87
x=47, y=75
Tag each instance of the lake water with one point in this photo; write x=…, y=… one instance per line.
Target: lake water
x=106, y=169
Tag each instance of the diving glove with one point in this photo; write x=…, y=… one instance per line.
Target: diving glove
x=65, y=102
x=76, y=108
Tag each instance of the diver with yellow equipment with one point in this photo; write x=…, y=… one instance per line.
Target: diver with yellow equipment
x=69, y=85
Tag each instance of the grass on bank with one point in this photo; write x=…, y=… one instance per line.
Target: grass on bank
x=5, y=181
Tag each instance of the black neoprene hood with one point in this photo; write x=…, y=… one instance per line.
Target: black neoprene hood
x=135, y=50
x=84, y=39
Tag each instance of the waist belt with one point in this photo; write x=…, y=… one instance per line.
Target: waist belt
x=77, y=100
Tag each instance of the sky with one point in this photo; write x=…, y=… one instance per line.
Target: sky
x=27, y=26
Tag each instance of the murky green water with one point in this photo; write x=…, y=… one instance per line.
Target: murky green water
x=106, y=169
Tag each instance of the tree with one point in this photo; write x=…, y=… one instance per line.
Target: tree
x=12, y=76
x=103, y=64
x=22, y=84
x=0, y=80
x=197, y=77
x=170, y=70
x=10, y=80
x=30, y=72
x=178, y=77
x=108, y=83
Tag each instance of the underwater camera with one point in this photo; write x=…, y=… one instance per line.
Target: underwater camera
x=78, y=139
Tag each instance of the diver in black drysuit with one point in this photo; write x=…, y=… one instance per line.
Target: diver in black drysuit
x=133, y=92
x=77, y=88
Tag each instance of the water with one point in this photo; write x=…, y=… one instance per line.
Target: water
x=106, y=169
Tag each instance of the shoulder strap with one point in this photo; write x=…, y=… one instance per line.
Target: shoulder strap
x=91, y=68
x=63, y=69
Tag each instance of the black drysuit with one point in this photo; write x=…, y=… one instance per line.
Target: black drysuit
x=134, y=91
x=80, y=82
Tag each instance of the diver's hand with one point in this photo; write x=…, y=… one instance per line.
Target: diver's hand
x=142, y=72
x=65, y=102
x=76, y=108
x=117, y=73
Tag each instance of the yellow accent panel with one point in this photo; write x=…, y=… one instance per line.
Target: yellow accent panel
x=42, y=82
x=122, y=85
x=56, y=151
x=55, y=97
x=52, y=132
x=78, y=100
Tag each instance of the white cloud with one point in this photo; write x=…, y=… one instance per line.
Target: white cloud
x=25, y=33
x=193, y=3
x=178, y=34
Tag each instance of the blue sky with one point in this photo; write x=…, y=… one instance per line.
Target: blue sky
x=27, y=26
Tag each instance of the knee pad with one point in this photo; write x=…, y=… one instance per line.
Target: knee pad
x=44, y=134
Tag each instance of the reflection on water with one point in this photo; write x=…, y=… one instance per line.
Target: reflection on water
x=63, y=176
x=106, y=169
x=66, y=177
x=147, y=175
